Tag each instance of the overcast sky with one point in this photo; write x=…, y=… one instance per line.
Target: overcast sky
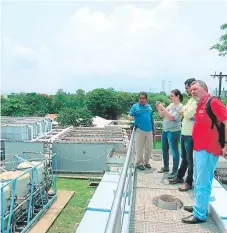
x=129, y=46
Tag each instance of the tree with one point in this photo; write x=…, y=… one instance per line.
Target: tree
x=75, y=117
x=186, y=98
x=125, y=100
x=103, y=102
x=14, y=107
x=153, y=98
x=221, y=47
x=81, y=97
x=60, y=101
x=40, y=104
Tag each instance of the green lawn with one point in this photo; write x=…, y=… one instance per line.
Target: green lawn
x=157, y=145
x=75, y=209
x=73, y=213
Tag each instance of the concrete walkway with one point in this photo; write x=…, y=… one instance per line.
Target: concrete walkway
x=151, y=219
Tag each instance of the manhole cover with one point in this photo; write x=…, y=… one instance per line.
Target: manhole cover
x=168, y=202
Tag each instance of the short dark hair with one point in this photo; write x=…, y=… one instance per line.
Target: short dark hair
x=176, y=92
x=143, y=93
x=189, y=81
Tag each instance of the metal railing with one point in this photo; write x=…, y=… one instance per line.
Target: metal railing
x=124, y=190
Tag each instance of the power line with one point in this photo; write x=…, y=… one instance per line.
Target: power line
x=220, y=77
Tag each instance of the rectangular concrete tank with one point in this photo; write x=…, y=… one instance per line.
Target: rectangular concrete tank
x=15, y=132
x=81, y=157
x=13, y=148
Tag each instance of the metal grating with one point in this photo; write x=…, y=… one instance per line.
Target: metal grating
x=141, y=227
x=146, y=217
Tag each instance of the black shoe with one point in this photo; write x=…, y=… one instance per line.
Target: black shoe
x=141, y=167
x=192, y=220
x=188, y=208
x=148, y=166
x=163, y=170
x=176, y=180
x=185, y=187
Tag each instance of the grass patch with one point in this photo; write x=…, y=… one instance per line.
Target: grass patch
x=73, y=213
x=157, y=145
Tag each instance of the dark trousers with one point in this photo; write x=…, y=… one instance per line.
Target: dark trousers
x=186, y=159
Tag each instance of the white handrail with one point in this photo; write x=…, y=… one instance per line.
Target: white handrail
x=114, y=221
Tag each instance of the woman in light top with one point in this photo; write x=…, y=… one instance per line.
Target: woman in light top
x=171, y=130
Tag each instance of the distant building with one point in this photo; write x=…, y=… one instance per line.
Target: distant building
x=100, y=122
x=51, y=116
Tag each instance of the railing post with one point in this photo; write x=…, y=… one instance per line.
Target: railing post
x=114, y=224
x=118, y=224
x=131, y=164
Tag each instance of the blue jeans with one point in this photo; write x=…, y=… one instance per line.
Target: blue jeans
x=204, y=166
x=170, y=140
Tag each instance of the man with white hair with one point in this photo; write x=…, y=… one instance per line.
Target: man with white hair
x=208, y=145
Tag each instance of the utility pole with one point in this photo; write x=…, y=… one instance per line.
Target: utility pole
x=220, y=77
x=163, y=86
x=216, y=92
x=169, y=86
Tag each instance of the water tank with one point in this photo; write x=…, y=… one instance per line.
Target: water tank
x=22, y=183
x=6, y=195
x=39, y=169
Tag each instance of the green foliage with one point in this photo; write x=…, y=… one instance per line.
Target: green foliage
x=26, y=104
x=152, y=98
x=221, y=47
x=79, y=107
x=14, y=107
x=64, y=100
x=60, y=101
x=80, y=98
x=74, y=117
x=39, y=105
x=124, y=101
x=103, y=102
x=224, y=100
x=186, y=98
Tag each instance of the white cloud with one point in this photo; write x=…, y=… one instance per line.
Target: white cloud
x=120, y=43
x=130, y=41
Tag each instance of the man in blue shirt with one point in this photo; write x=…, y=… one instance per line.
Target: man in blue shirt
x=142, y=113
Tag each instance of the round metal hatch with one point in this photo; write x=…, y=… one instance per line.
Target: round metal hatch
x=168, y=202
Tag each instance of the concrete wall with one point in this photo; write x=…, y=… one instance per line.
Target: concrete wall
x=22, y=129
x=13, y=148
x=19, y=132
x=71, y=157
x=76, y=157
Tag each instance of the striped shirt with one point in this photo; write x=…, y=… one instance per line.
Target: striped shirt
x=172, y=125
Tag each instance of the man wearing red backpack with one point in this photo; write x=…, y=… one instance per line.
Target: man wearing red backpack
x=209, y=133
